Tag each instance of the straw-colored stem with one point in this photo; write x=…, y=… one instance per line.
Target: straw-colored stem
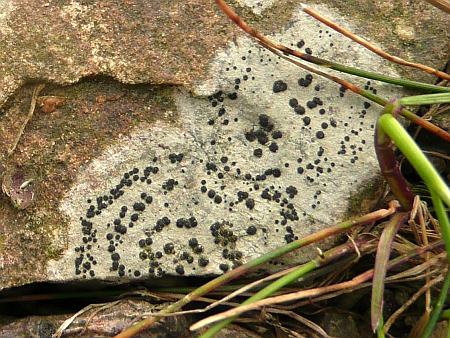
x=380, y=269
x=443, y=5
x=322, y=62
x=34, y=96
x=368, y=95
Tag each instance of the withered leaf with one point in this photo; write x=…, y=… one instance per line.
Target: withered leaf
x=50, y=103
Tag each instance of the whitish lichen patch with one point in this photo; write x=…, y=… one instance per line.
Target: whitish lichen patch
x=263, y=153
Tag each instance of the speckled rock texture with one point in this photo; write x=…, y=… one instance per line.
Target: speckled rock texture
x=225, y=152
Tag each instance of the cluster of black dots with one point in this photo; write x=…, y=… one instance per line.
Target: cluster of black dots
x=263, y=137
x=305, y=82
x=267, y=137
x=85, y=262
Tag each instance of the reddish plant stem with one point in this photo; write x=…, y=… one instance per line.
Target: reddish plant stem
x=384, y=148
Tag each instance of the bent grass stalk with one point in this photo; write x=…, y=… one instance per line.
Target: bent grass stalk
x=368, y=95
x=283, y=51
x=371, y=47
x=325, y=63
x=387, y=128
x=381, y=261
x=387, y=124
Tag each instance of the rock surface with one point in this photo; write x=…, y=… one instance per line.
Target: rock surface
x=138, y=181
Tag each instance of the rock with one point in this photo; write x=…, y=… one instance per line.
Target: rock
x=19, y=188
x=243, y=171
x=64, y=42
x=137, y=182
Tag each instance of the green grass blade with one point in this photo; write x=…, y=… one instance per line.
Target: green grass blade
x=342, y=286
x=377, y=99
x=425, y=99
x=380, y=331
x=387, y=79
x=444, y=225
x=232, y=274
x=438, y=307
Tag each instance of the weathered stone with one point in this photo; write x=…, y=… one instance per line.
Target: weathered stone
x=251, y=169
x=135, y=42
x=245, y=119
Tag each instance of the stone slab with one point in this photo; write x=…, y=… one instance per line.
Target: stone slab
x=223, y=96
x=262, y=153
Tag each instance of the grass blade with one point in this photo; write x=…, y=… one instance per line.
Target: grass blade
x=384, y=148
x=424, y=99
x=368, y=95
x=325, y=63
x=343, y=286
x=415, y=156
x=443, y=5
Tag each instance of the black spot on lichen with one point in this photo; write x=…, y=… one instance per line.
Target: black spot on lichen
x=203, y=261
x=169, y=248
x=320, y=135
x=258, y=152
x=250, y=203
x=273, y=147
x=250, y=136
x=179, y=269
x=251, y=230
x=139, y=206
x=224, y=267
x=279, y=86
x=277, y=134
x=300, y=110
x=300, y=44
x=293, y=103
